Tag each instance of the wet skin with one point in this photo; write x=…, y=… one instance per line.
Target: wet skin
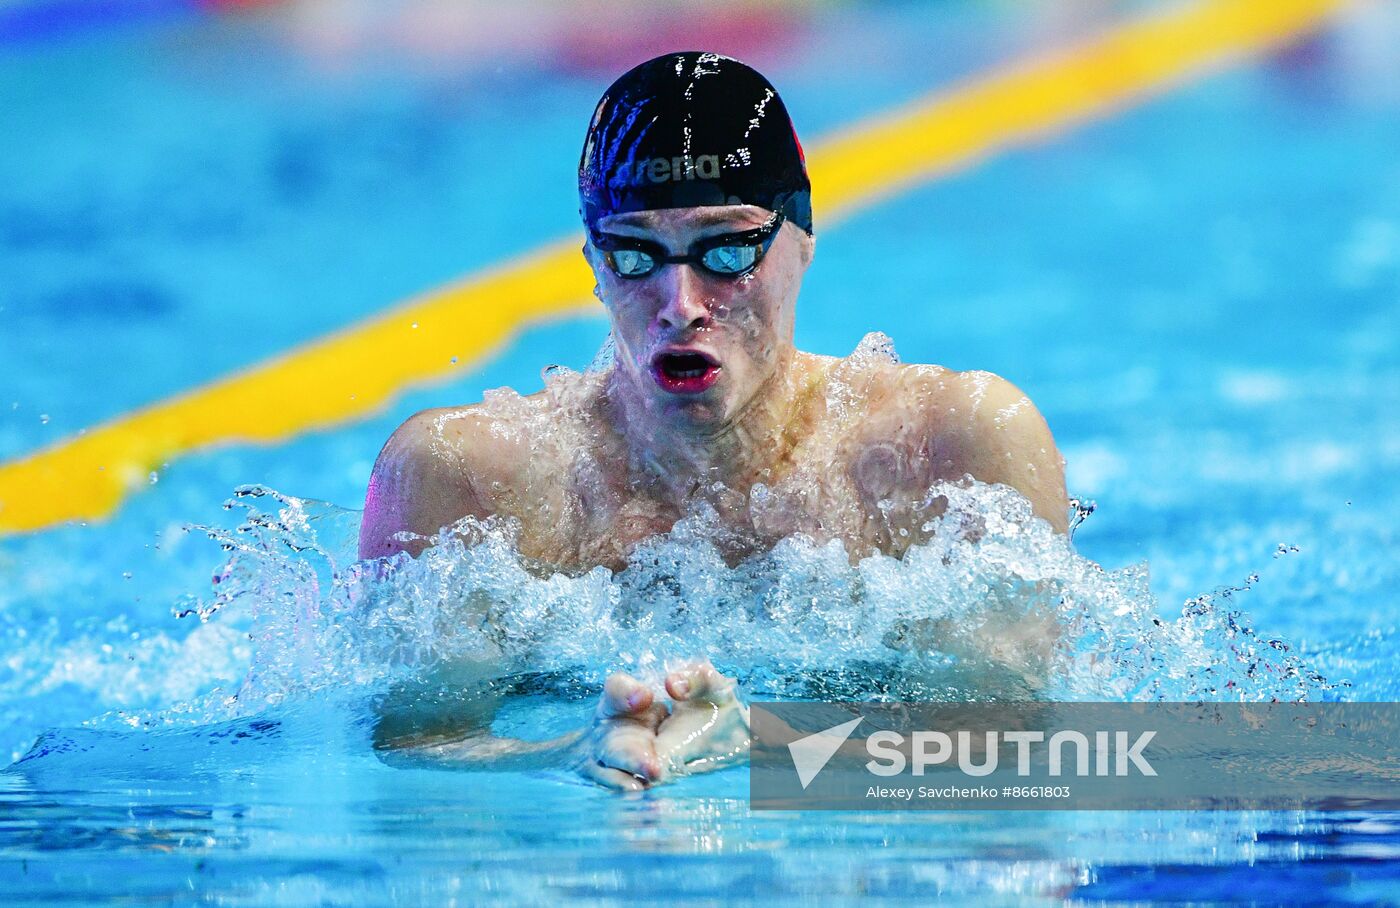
x=707, y=397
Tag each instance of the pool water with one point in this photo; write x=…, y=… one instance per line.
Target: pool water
x=1200, y=292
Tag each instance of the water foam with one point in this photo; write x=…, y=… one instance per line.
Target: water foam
x=798, y=620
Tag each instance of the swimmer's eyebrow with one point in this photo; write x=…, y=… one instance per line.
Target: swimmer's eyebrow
x=715, y=218
x=645, y=220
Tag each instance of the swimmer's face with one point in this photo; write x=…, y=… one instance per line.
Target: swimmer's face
x=692, y=343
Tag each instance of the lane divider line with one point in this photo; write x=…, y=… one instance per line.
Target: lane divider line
x=356, y=372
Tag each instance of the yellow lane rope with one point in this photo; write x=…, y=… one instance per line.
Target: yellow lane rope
x=357, y=371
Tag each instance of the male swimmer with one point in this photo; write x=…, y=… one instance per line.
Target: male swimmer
x=695, y=196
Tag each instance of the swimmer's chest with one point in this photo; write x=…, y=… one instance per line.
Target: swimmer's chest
x=853, y=488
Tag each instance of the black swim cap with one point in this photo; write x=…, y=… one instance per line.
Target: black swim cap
x=688, y=130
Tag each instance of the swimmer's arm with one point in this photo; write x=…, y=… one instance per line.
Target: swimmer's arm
x=617, y=748
x=422, y=482
x=1010, y=444
x=443, y=718
x=1003, y=440
x=481, y=750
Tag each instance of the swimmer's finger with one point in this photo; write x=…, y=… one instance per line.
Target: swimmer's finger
x=690, y=681
x=632, y=752
x=700, y=681
x=608, y=777
x=624, y=695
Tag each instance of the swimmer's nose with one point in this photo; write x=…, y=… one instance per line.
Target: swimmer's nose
x=684, y=306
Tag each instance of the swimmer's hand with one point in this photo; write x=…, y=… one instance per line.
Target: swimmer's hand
x=708, y=727
x=619, y=748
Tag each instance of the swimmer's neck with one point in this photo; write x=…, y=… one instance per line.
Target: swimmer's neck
x=678, y=456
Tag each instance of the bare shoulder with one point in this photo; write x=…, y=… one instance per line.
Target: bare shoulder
x=438, y=467
x=991, y=430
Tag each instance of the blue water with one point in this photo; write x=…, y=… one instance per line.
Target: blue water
x=1200, y=293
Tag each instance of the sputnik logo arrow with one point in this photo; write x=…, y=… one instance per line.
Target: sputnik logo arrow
x=811, y=754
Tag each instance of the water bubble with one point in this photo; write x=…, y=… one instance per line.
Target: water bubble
x=1081, y=509
x=453, y=360
x=154, y=477
x=43, y=419
x=605, y=357
x=876, y=347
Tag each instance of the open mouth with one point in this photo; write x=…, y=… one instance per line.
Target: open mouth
x=684, y=372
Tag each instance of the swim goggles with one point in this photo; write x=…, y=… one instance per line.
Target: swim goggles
x=728, y=255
